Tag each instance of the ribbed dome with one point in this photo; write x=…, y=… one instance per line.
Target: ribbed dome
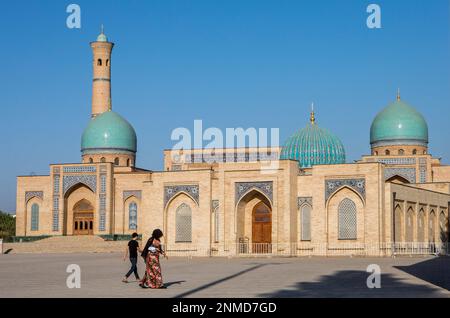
x=108, y=132
x=399, y=124
x=313, y=145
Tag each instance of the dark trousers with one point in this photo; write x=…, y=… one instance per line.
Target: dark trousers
x=133, y=268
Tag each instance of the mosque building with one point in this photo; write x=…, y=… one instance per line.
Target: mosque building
x=299, y=199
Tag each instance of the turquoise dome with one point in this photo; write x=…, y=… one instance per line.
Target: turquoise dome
x=399, y=124
x=313, y=145
x=109, y=132
x=102, y=38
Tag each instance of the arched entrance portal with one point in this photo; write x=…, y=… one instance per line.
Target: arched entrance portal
x=254, y=224
x=83, y=218
x=261, y=228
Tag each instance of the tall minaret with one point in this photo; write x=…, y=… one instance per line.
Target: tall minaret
x=101, y=85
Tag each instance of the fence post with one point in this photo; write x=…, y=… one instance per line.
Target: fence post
x=1, y=246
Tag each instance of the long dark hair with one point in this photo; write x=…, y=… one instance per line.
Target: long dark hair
x=156, y=235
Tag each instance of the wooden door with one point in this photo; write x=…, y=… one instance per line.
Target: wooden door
x=261, y=228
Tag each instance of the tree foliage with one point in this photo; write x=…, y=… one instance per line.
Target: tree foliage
x=7, y=225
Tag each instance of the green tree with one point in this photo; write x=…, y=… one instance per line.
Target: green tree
x=7, y=225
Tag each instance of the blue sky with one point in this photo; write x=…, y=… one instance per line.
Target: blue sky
x=231, y=63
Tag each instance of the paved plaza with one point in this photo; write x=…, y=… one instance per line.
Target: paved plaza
x=44, y=275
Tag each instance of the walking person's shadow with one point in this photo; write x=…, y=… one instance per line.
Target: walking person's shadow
x=174, y=283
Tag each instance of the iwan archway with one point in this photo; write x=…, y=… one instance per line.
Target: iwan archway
x=254, y=223
x=79, y=211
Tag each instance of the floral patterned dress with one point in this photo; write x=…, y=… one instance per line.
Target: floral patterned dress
x=152, y=277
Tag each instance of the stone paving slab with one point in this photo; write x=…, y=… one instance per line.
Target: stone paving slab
x=44, y=275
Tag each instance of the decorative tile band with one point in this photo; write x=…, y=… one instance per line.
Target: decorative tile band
x=32, y=194
x=407, y=173
x=242, y=188
x=333, y=185
x=56, y=189
x=102, y=209
x=131, y=193
x=171, y=191
x=398, y=161
x=87, y=179
x=78, y=169
x=304, y=200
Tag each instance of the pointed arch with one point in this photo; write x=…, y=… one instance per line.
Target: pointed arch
x=345, y=215
x=398, y=224
x=170, y=223
x=339, y=190
x=398, y=178
x=177, y=195
x=250, y=192
x=421, y=226
x=409, y=228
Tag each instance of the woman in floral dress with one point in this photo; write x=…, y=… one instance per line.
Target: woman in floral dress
x=152, y=277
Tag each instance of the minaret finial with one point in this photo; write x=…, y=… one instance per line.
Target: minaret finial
x=398, y=93
x=109, y=104
x=312, y=117
x=102, y=29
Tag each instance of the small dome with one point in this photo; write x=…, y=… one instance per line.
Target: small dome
x=102, y=38
x=109, y=133
x=399, y=124
x=313, y=145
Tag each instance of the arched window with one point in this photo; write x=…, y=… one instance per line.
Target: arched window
x=398, y=215
x=443, y=227
x=432, y=227
x=128, y=162
x=107, y=62
x=420, y=227
x=401, y=152
x=414, y=152
x=103, y=160
x=409, y=226
x=424, y=152
x=347, y=220
x=91, y=160
x=183, y=224
x=35, y=217
x=387, y=152
x=375, y=153
x=116, y=161
x=99, y=62
x=76, y=225
x=132, y=216
x=305, y=222
x=81, y=225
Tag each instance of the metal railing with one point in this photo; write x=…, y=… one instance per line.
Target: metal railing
x=307, y=249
